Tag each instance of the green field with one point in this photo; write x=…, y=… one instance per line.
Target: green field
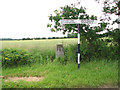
x=49, y=44
x=96, y=73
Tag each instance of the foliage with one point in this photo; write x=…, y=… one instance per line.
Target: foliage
x=94, y=44
x=89, y=35
x=72, y=35
x=15, y=56
x=68, y=12
x=112, y=8
x=101, y=48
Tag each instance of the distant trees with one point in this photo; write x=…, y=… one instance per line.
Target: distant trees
x=26, y=38
x=38, y=38
x=5, y=38
x=8, y=39
x=72, y=35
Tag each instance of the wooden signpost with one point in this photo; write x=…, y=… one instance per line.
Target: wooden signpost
x=77, y=21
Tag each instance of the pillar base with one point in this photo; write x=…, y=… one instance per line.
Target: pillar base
x=78, y=66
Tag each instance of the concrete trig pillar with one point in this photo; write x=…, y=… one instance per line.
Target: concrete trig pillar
x=59, y=50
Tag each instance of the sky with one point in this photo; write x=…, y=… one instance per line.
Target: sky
x=29, y=18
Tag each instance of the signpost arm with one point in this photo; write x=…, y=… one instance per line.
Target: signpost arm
x=78, y=45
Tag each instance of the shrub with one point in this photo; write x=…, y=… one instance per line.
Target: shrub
x=15, y=56
x=89, y=51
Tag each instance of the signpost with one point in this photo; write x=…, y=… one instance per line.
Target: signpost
x=77, y=21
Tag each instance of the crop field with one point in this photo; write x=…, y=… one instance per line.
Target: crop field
x=45, y=71
x=49, y=44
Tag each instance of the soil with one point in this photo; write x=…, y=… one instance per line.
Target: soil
x=1, y=76
x=109, y=86
x=28, y=79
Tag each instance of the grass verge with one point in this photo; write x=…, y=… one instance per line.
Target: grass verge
x=55, y=75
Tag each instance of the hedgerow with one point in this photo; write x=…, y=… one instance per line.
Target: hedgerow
x=15, y=56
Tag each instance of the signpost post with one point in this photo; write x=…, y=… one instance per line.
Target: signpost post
x=77, y=21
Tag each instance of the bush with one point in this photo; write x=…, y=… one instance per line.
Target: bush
x=13, y=56
x=89, y=51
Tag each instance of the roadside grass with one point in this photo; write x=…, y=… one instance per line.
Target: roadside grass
x=55, y=75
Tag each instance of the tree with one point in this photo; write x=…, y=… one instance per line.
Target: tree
x=109, y=9
x=113, y=8
x=67, y=12
x=71, y=12
x=88, y=33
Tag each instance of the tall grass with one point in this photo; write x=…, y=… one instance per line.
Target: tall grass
x=42, y=57
x=55, y=75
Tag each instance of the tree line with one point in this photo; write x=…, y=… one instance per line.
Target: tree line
x=72, y=35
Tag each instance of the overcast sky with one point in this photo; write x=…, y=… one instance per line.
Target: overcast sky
x=29, y=18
